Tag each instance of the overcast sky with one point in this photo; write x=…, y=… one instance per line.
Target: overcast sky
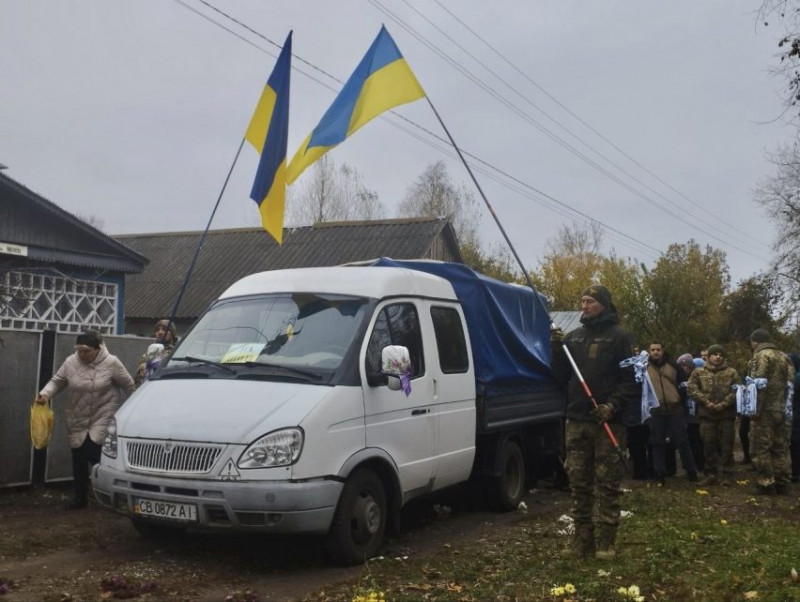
x=653, y=118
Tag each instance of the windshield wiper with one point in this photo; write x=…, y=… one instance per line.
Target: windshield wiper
x=200, y=360
x=291, y=369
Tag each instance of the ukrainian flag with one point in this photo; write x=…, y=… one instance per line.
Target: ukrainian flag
x=268, y=132
x=381, y=81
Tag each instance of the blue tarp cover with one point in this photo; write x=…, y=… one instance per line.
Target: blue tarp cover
x=509, y=328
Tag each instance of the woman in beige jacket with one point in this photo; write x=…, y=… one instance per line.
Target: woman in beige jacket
x=94, y=378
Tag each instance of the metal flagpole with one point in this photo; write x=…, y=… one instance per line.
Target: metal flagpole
x=575, y=368
x=202, y=239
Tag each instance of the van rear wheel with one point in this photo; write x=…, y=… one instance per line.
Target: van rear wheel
x=509, y=487
x=359, y=523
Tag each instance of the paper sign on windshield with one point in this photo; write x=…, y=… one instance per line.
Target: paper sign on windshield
x=240, y=353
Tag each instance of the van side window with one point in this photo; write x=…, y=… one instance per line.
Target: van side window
x=397, y=324
x=450, y=340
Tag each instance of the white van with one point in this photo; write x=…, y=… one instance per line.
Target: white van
x=275, y=413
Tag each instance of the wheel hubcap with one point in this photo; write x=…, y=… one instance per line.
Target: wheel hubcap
x=366, y=517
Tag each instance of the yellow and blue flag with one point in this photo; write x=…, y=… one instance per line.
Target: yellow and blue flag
x=381, y=81
x=268, y=132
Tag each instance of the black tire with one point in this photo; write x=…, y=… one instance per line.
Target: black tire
x=359, y=523
x=155, y=530
x=509, y=487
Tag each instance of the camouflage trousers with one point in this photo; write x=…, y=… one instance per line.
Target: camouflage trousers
x=769, y=447
x=595, y=475
x=718, y=437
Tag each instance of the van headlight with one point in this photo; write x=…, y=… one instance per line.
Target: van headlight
x=279, y=448
x=110, y=442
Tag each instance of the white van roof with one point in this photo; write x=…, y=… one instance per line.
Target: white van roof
x=375, y=282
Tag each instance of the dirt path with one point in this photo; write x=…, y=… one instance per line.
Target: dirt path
x=50, y=554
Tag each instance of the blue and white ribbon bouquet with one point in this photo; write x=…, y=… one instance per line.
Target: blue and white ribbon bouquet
x=747, y=396
x=649, y=397
x=153, y=359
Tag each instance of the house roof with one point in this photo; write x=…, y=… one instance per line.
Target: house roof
x=228, y=255
x=55, y=236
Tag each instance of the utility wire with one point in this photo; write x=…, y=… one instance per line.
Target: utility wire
x=492, y=92
x=585, y=124
x=555, y=205
x=555, y=121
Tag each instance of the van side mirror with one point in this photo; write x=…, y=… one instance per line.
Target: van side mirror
x=395, y=361
x=396, y=367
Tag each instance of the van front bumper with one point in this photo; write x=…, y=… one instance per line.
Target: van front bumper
x=270, y=506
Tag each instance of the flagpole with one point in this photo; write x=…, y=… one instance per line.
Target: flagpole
x=203, y=239
x=575, y=368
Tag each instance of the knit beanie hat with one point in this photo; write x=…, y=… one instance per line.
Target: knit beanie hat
x=760, y=336
x=699, y=362
x=600, y=294
x=716, y=349
x=685, y=360
x=90, y=338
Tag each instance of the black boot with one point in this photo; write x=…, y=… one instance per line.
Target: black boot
x=606, y=542
x=582, y=544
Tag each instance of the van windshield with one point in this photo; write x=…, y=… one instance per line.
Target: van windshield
x=283, y=335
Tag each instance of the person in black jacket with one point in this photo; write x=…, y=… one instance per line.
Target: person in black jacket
x=595, y=472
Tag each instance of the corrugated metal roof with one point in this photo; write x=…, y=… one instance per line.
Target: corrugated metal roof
x=55, y=236
x=229, y=255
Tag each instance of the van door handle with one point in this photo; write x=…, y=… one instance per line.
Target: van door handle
x=420, y=412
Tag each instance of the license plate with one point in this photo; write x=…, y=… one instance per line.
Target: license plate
x=170, y=510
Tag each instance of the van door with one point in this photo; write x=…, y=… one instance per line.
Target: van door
x=454, y=394
x=404, y=426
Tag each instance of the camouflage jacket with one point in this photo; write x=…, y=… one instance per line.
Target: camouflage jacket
x=714, y=385
x=774, y=365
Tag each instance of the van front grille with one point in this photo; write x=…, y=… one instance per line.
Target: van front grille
x=171, y=456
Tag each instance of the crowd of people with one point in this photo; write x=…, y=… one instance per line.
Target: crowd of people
x=652, y=406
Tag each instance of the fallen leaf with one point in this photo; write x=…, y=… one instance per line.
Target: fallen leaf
x=751, y=595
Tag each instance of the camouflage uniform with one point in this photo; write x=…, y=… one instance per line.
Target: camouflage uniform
x=712, y=387
x=769, y=428
x=595, y=470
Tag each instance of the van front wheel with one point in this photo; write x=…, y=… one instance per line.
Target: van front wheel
x=360, y=520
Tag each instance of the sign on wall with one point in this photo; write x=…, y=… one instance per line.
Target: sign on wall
x=8, y=248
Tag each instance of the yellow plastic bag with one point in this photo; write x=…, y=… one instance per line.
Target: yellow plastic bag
x=41, y=424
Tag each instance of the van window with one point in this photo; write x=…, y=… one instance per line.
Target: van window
x=397, y=324
x=450, y=340
x=293, y=330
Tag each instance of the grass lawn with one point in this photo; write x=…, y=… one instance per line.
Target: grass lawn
x=677, y=542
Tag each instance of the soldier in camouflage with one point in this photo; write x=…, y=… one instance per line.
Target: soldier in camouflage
x=711, y=386
x=595, y=471
x=769, y=428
